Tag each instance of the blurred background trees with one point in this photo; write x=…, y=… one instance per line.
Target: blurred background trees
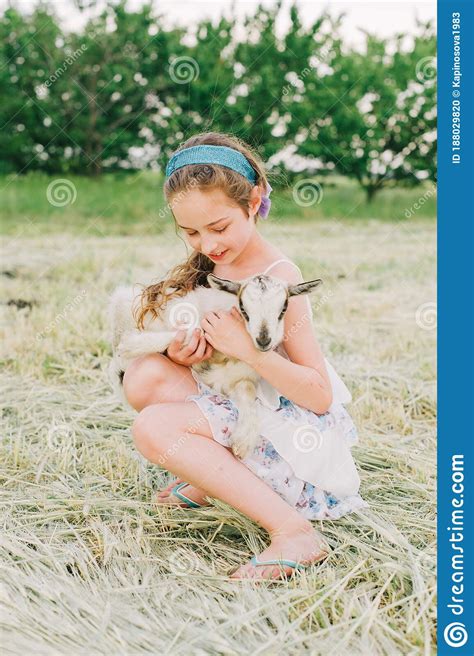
x=126, y=91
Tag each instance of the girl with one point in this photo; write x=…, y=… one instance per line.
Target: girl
x=217, y=188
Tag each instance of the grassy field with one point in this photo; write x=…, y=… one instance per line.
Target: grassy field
x=89, y=566
x=129, y=205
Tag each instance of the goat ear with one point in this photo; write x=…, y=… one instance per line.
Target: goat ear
x=223, y=284
x=304, y=287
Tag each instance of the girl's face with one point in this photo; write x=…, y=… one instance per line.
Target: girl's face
x=213, y=225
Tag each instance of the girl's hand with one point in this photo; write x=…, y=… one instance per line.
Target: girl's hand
x=227, y=333
x=196, y=351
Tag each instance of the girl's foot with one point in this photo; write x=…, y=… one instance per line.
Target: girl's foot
x=303, y=545
x=193, y=493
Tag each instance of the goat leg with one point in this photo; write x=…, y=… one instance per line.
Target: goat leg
x=143, y=342
x=245, y=435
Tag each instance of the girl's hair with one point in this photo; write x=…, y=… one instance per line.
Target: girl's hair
x=193, y=271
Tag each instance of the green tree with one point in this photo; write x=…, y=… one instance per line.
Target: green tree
x=379, y=125
x=30, y=47
x=261, y=106
x=127, y=88
x=110, y=97
x=79, y=102
x=199, y=75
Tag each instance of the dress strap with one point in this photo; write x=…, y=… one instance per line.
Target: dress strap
x=278, y=262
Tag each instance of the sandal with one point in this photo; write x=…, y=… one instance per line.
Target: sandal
x=189, y=502
x=281, y=561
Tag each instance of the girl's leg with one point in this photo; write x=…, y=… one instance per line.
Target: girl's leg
x=178, y=436
x=157, y=379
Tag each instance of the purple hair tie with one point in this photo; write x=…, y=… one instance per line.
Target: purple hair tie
x=266, y=203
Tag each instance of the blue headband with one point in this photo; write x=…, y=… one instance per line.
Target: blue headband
x=206, y=154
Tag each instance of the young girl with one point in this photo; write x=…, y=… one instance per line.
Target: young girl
x=216, y=188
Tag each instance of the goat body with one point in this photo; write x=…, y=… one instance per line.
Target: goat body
x=226, y=375
x=262, y=301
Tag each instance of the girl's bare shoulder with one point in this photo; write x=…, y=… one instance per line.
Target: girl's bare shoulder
x=286, y=269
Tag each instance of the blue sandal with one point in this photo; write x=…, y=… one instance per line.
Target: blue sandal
x=282, y=562
x=189, y=502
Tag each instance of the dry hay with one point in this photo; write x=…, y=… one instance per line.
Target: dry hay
x=90, y=567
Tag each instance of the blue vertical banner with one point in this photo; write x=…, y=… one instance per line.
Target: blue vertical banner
x=455, y=327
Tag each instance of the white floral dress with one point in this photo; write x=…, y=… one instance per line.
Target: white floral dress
x=278, y=415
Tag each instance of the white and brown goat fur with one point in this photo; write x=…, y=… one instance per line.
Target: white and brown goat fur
x=262, y=301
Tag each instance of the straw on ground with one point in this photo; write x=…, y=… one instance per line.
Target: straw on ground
x=90, y=566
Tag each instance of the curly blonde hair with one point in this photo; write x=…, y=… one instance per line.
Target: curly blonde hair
x=193, y=272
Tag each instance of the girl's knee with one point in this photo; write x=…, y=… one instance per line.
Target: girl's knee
x=164, y=428
x=141, y=377
x=145, y=434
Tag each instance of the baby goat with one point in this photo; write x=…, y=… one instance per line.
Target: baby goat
x=262, y=301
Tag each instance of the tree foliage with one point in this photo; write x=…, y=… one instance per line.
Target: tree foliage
x=127, y=90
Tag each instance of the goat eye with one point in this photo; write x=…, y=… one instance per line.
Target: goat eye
x=283, y=311
x=243, y=312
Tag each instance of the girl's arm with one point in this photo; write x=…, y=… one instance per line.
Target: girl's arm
x=304, y=378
